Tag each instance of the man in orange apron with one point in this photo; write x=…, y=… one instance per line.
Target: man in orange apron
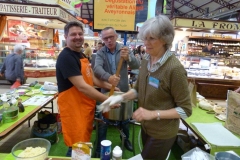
x=76, y=99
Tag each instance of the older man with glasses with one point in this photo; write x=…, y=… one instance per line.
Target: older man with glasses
x=106, y=63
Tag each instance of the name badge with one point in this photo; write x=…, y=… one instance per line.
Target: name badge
x=153, y=82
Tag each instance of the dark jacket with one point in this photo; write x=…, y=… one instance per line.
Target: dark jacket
x=13, y=67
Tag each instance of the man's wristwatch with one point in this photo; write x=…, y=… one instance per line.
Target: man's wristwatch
x=158, y=115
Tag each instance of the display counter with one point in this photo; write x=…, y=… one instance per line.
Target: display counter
x=32, y=72
x=211, y=87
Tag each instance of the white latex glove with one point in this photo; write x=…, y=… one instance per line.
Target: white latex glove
x=105, y=106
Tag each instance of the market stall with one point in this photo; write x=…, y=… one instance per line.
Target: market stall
x=213, y=74
x=34, y=26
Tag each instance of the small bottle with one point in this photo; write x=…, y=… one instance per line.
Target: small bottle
x=117, y=153
x=20, y=105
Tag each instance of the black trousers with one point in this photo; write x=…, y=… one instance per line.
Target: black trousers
x=155, y=148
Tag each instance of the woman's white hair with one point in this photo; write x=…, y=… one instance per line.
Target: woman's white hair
x=158, y=27
x=18, y=48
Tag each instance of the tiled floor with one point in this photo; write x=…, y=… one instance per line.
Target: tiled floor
x=22, y=132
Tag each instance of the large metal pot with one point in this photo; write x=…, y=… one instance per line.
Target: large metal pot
x=122, y=113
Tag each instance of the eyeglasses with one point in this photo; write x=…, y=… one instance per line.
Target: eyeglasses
x=106, y=38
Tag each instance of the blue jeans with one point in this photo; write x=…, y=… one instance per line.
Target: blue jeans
x=102, y=132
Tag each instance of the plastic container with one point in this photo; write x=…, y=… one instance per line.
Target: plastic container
x=226, y=156
x=197, y=153
x=117, y=153
x=0, y=119
x=105, y=150
x=32, y=142
x=10, y=115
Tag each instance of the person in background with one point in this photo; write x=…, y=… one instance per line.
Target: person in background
x=137, y=56
x=106, y=63
x=161, y=90
x=75, y=79
x=87, y=51
x=13, y=66
x=209, y=48
x=141, y=51
x=99, y=46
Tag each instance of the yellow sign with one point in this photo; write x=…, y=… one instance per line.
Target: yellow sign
x=36, y=10
x=206, y=24
x=118, y=14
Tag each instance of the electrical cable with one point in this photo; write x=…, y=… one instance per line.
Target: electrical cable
x=139, y=144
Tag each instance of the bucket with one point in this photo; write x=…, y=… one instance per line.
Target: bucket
x=226, y=156
x=122, y=113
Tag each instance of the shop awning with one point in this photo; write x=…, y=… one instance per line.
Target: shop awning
x=36, y=11
x=205, y=25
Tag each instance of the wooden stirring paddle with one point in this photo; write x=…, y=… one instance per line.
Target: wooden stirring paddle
x=117, y=74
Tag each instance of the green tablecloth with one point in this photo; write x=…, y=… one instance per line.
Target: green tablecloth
x=28, y=109
x=5, y=156
x=200, y=116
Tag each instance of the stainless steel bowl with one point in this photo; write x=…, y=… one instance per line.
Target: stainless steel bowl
x=226, y=156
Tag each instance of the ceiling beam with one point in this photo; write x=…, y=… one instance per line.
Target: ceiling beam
x=225, y=4
x=184, y=4
x=190, y=5
x=237, y=3
x=90, y=15
x=216, y=13
x=200, y=7
x=175, y=11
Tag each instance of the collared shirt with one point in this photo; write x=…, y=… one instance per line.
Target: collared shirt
x=156, y=66
x=159, y=63
x=112, y=60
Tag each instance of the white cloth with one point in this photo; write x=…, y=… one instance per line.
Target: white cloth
x=49, y=86
x=217, y=134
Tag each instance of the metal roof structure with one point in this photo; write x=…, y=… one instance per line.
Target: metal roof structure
x=227, y=10
x=209, y=9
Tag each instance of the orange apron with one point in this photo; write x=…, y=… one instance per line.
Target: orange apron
x=77, y=110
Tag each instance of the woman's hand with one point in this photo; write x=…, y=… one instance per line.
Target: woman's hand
x=143, y=114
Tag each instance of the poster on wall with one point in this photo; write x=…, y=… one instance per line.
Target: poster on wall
x=16, y=29
x=124, y=15
x=24, y=30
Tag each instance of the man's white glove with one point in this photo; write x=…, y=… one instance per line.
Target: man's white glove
x=105, y=106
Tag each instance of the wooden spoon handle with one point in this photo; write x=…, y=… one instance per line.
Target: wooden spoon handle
x=117, y=74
